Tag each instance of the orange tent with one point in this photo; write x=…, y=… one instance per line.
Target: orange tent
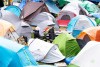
x=5, y=26
x=92, y=32
x=89, y=34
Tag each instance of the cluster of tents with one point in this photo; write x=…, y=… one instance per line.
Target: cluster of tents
x=78, y=46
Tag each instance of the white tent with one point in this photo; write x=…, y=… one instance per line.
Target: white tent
x=72, y=9
x=21, y=27
x=44, y=51
x=88, y=56
x=43, y=25
x=43, y=17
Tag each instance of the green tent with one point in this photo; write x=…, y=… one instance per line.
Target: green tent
x=62, y=3
x=90, y=7
x=67, y=44
x=97, y=21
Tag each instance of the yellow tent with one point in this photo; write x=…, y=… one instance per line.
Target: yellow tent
x=5, y=27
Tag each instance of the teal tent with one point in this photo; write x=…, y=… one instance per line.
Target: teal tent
x=90, y=7
x=9, y=58
x=24, y=54
x=62, y=3
x=14, y=9
x=67, y=44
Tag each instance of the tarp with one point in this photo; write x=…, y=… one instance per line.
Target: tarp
x=14, y=9
x=24, y=54
x=79, y=23
x=67, y=44
x=88, y=56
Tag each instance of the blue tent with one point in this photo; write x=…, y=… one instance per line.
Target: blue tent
x=52, y=7
x=96, y=0
x=22, y=4
x=24, y=54
x=14, y=9
x=96, y=15
x=79, y=23
x=9, y=58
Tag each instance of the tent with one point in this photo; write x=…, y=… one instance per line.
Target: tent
x=67, y=14
x=67, y=44
x=22, y=51
x=22, y=4
x=86, y=35
x=97, y=17
x=44, y=16
x=31, y=9
x=9, y=58
x=5, y=27
x=43, y=25
x=88, y=56
x=87, y=5
x=62, y=3
x=44, y=51
x=7, y=30
x=20, y=25
x=79, y=23
x=52, y=7
x=14, y=9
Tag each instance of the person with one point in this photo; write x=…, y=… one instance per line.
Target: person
x=1, y=3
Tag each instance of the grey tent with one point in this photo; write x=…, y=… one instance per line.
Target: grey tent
x=43, y=25
x=43, y=16
x=31, y=9
x=21, y=27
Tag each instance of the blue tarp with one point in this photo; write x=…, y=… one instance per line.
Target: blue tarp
x=14, y=9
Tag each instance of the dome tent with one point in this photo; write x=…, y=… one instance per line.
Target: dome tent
x=67, y=44
x=14, y=9
x=22, y=51
x=88, y=56
x=8, y=58
x=44, y=51
x=67, y=14
x=42, y=17
x=79, y=23
x=86, y=35
x=19, y=24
